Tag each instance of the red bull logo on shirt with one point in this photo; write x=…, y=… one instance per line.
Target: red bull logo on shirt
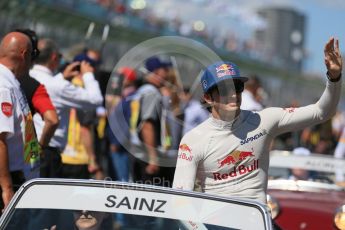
x=237, y=171
x=234, y=157
x=225, y=69
x=185, y=148
x=185, y=152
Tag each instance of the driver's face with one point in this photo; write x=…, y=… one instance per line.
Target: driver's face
x=227, y=96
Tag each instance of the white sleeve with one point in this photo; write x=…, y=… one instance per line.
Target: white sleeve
x=88, y=97
x=7, y=112
x=186, y=166
x=290, y=119
x=59, y=76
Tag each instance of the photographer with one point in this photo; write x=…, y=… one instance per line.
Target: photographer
x=64, y=96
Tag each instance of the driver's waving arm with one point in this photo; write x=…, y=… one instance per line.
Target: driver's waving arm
x=285, y=120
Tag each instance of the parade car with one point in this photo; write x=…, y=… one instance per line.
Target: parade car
x=90, y=204
x=314, y=202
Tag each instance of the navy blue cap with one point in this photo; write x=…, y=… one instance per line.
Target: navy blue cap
x=218, y=72
x=154, y=63
x=83, y=57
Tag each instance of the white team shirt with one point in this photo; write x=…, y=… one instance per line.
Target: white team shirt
x=14, y=108
x=64, y=95
x=232, y=158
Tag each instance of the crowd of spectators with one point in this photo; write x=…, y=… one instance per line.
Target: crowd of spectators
x=121, y=13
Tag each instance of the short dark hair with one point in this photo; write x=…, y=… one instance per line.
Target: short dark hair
x=47, y=49
x=204, y=103
x=253, y=80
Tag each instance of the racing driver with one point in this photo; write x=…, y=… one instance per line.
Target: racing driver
x=228, y=154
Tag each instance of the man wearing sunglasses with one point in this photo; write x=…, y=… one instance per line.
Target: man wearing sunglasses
x=229, y=153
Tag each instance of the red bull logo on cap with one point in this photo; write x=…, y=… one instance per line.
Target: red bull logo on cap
x=234, y=157
x=225, y=69
x=185, y=152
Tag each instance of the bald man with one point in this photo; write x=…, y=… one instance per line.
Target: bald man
x=18, y=143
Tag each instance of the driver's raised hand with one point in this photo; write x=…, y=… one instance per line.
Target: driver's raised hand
x=333, y=59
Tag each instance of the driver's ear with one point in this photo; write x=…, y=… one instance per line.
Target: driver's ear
x=208, y=98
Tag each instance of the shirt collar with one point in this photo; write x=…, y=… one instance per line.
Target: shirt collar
x=9, y=76
x=223, y=124
x=42, y=68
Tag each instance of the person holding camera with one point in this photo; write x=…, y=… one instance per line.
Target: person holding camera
x=64, y=96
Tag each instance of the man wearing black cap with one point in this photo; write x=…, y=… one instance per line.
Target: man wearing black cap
x=229, y=152
x=149, y=98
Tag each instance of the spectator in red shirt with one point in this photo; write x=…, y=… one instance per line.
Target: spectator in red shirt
x=39, y=101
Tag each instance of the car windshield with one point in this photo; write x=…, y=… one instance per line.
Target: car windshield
x=84, y=219
x=82, y=204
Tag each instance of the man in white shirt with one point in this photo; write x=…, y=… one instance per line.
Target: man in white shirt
x=16, y=129
x=194, y=113
x=64, y=96
x=250, y=95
